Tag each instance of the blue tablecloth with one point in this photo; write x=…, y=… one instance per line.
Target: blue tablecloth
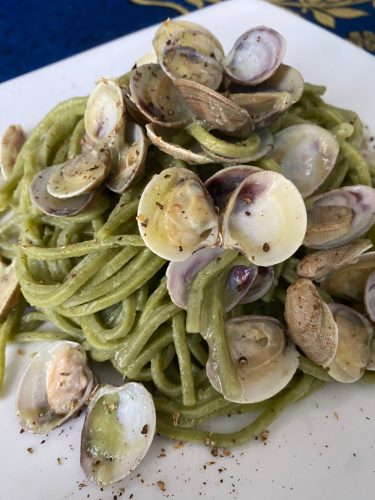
x=34, y=33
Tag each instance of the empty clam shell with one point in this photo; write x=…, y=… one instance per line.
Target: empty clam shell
x=260, y=286
x=9, y=288
x=349, y=280
x=181, y=274
x=318, y=265
x=263, y=358
x=176, y=215
x=265, y=218
x=240, y=280
x=310, y=322
x=267, y=101
x=131, y=160
x=118, y=431
x=156, y=97
x=55, y=386
x=80, y=175
x=51, y=205
x=307, y=154
x=340, y=216
x=164, y=140
x=222, y=184
x=214, y=110
x=354, y=339
x=195, y=55
x=255, y=56
x=105, y=111
x=11, y=144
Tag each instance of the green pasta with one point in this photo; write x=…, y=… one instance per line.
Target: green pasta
x=89, y=277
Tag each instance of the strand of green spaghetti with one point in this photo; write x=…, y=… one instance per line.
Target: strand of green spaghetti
x=90, y=323
x=184, y=360
x=240, y=149
x=7, y=328
x=306, y=385
x=135, y=342
x=199, y=285
x=160, y=379
x=158, y=342
x=149, y=265
x=74, y=145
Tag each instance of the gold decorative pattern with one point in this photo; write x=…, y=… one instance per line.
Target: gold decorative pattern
x=324, y=12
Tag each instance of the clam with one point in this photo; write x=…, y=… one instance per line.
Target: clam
x=215, y=110
x=156, y=97
x=11, y=144
x=340, y=216
x=51, y=205
x=193, y=54
x=265, y=218
x=117, y=433
x=80, y=175
x=169, y=27
x=310, y=322
x=371, y=363
x=105, y=112
x=267, y=101
x=264, y=359
x=55, y=386
x=180, y=276
x=255, y=56
x=354, y=344
x=176, y=215
x=318, y=265
x=222, y=184
x=166, y=141
x=307, y=154
x=260, y=286
x=148, y=58
x=131, y=160
x=9, y=288
x=349, y=280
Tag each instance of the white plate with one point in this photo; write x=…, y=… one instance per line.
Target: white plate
x=323, y=448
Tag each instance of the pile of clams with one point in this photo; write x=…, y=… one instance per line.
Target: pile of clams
x=201, y=106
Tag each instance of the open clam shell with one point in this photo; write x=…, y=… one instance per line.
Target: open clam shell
x=260, y=286
x=132, y=156
x=118, y=431
x=176, y=215
x=50, y=205
x=222, y=184
x=193, y=54
x=354, y=344
x=369, y=296
x=306, y=154
x=265, y=361
x=156, y=97
x=320, y=264
x=215, y=110
x=349, y=280
x=80, y=175
x=164, y=140
x=255, y=56
x=265, y=218
x=268, y=100
x=55, y=386
x=340, y=216
x=105, y=111
x=11, y=144
x=180, y=276
x=310, y=322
